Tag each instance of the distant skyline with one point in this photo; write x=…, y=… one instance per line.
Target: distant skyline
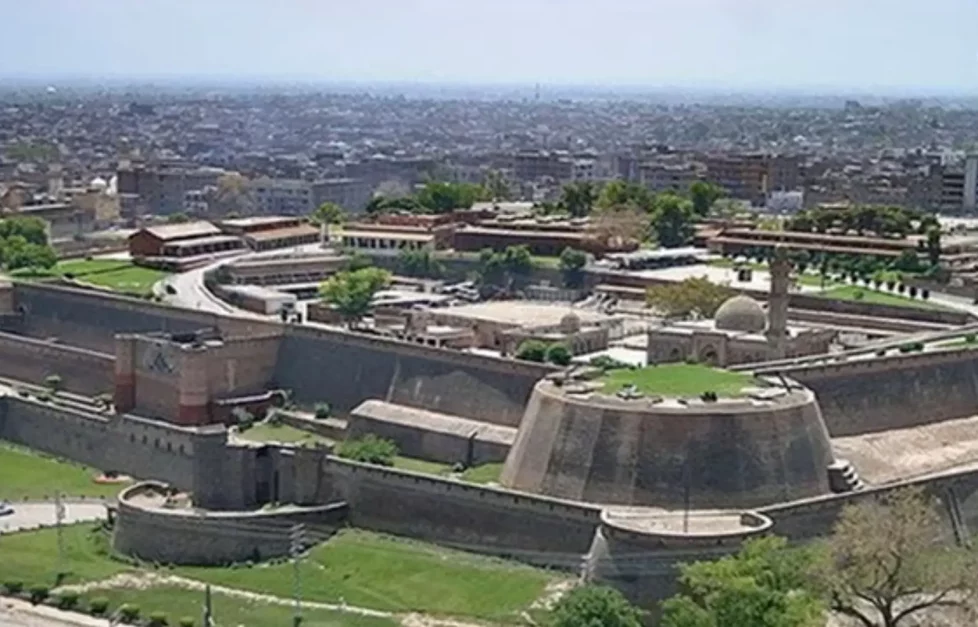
x=862, y=46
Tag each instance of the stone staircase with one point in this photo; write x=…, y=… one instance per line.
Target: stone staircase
x=843, y=477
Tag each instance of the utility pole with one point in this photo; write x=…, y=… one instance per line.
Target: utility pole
x=59, y=516
x=297, y=538
x=208, y=612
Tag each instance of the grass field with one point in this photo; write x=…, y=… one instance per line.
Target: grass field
x=31, y=557
x=677, y=380
x=26, y=474
x=265, y=432
x=377, y=572
x=116, y=274
x=869, y=295
x=178, y=602
x=486, y=473
x=421, y=465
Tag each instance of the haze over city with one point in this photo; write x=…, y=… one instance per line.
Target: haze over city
x=865, y=46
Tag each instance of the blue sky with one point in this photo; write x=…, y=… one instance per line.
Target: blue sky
x=863, y=45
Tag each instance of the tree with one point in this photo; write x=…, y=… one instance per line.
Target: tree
x=621, y=194
x=507, y=269
x=359, y=261
x=496, y=186
x=232, y=194
x=443, y=197
x=351, y=292
x=328, y=213
x=764, y=585
x=672, y=219
x=908, y=261
x=616, y=227
x=17, y=252
x=532, y=350
x=572, y=262
x=885, y=561
x=558, y=354
x=595, y=606
x=369, y=449
x=695, y=295
x=578, y=198
x=177, y=218
x=703, y=194
x=934, y=246
x=33, y=230
x=419, y=263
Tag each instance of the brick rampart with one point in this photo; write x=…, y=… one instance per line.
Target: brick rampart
x=81, y=370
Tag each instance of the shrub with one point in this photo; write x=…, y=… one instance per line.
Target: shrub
x=13, y=586
x=98, y=606
x=157, y=619
x=532, y=350
x=323, y=411
x=558, y=354
x=243, y=418
x=858, y=295
x=890, y=285
x=52, y=382
x=44, y=397
x=605, y=363
x=129, y=613
x=67, y=600
x=969, y=338
x=38, y=593
x=186, y=621
x=901, y=288
x=913, y=291
x=881, y=352
x=709, y=397
x=369, y=449
x=925, y=294
x=274, y=418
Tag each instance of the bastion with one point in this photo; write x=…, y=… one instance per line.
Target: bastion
x=742, y=446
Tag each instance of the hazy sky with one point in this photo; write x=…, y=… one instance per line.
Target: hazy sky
x=848, y=44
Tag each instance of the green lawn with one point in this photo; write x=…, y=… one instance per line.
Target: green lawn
x=31, y=557
x=178, y=602
x=486, y=473
x=373, y=571
x=869, y=295
x=678, y=380
x=266, y=432
x=80, y=267
x=27, y=474
x=421, y=465
x=129, y=280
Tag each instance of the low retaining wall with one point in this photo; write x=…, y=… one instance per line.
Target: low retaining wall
x=192, y=537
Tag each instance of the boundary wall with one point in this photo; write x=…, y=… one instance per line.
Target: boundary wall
x=81, y=370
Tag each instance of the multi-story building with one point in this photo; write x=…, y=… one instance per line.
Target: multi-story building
x=290, y=197
x=661, y=177
x=532, y=166
x=349, y=193
x=162, y=188
x=751, y=176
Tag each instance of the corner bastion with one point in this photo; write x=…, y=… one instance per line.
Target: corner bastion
x=578, y=442
x=155, y=523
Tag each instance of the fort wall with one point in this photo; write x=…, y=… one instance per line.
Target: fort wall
x=182, y=536
x=920, y=388
x=81, y=370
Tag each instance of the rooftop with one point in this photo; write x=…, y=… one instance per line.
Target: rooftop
x=678, y=380
x=521, y=313
x=186, y=230
x=302, y=230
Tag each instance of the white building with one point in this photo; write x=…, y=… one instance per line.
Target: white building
x=282, y=196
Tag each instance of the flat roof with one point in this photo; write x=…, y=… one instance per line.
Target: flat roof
x=290, y=231
x=394, y=235
x=555, y=234
x=432, y=421
x=520, y=313
x=184, y=230
x=258, y=221
x=203, y=241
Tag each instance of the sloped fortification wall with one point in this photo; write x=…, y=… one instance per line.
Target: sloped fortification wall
x=81, y=370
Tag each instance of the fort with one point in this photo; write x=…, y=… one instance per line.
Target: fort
x=618, y=485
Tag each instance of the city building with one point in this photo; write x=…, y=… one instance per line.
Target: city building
x=189, y=239
x=282, y=196
x=751, y=176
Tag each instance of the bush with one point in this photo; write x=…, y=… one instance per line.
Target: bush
x=323, y=411
x=532, y=350
x=969, y=338
x=38, y=594
x=98, y=606
x=708, y=397
x=274, y=418
x=925, y=294
x=605, y=363
x=67, y=600
x=901, y=288
x=558, y=354
x=44, y=397
x=157, y=619
x=369, y=449
x=913, y=291
x=186, y=621
x=129, y=613
x=13, y=586
x=243, y=418
x=881, y=352
x=52, y=382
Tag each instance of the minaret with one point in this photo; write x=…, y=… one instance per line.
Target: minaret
x=777, y=310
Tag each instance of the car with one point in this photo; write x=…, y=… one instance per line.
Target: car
x=6, y=509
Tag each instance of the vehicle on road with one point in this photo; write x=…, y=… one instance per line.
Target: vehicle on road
x=6, y=509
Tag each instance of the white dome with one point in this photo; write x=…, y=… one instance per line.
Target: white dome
x=98, y=183
x=740, y=313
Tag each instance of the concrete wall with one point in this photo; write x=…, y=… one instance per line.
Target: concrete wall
x=82, y=371
x=174, y=536
x=346, y=369
x=729, y=454
x=137, y=447
x=892, y=392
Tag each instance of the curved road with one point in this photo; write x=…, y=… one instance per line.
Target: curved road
x=31, y=514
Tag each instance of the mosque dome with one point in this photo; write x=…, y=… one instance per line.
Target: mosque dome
x=98, y=184
x=741, y=313
x=570, y=323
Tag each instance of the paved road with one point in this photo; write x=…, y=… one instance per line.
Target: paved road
x=15, y=613
x=30, y=515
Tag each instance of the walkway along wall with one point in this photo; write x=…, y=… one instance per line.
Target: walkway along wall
x=870, y=394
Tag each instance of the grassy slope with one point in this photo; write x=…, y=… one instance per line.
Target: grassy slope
x=178, y=602
x=32, y=556
x=869, y=295
x=678, y=380
x=265, y=432
x=369, y=570
x=26, y=474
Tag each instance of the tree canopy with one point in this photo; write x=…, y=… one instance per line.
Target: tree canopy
x=595, y=606
x=695, y=295
x=764, y=585
x=419, y=263
x=672, y=218
x=578, y=198
x=888, y=561
x=351, y=292
x=703, y=194
x=444, y=197
x=328, y=213
x=506, y=269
